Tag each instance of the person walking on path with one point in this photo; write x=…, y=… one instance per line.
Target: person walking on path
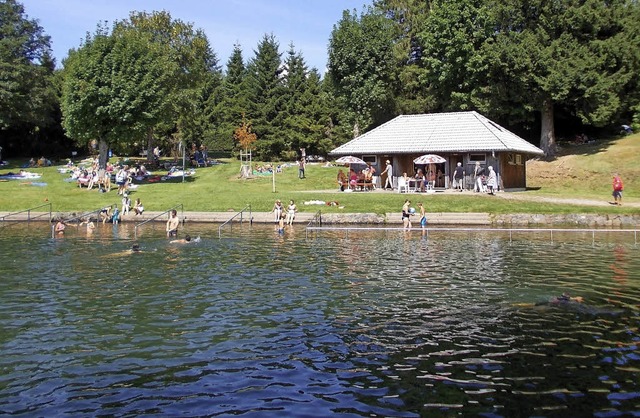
x=617, y=189
x=458, y=176
x=478, y=176
x=388, y=170
x=492, y=181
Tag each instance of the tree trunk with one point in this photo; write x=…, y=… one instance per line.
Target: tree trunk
x=103, y=149
x=150, y=147
x=548, y=133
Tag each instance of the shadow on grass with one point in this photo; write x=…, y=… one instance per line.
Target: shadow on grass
x=589, y=148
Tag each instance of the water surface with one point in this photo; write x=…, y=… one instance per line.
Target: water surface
x=355, y=323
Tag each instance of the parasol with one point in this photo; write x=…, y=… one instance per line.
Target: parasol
x=349, y=159
x=429, y=159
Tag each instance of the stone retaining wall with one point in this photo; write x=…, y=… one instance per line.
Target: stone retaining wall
x=515, y=220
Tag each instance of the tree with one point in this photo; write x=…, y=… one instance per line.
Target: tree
x=578, y=55
x=453, y=35
x=246, y=139
x=409, y=18
x=27, y=96
x=305, y=117
x=362, y=68
x=225, y=109
x=194, y=74
x=115, y=89
x=265, y=90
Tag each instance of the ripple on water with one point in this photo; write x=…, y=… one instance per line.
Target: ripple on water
x=376, y=323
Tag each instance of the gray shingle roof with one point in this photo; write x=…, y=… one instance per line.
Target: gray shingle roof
x=437, y=132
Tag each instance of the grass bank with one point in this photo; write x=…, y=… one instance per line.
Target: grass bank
x=579, y=172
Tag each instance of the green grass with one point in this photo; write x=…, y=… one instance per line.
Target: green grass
x=580, y=172
x=585, y=171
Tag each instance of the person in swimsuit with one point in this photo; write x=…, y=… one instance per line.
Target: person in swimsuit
x=291, y=212
x=423, y=216
x=406, y=215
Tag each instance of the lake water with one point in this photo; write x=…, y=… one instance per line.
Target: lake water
x=375, y=323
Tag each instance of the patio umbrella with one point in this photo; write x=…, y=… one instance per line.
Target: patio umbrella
x=349, y=159
x=429, y=159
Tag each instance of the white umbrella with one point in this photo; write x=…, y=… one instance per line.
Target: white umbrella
x=429, y=159
x=350, y=159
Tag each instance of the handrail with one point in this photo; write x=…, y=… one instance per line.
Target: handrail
x=181, y=206
x=78, y=217
x=3, y=219
x=593, y=231
x=230, y=220
x=315, y=221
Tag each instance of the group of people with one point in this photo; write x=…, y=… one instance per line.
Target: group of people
x=485, y=181
x=284, y=217
x=362, y=179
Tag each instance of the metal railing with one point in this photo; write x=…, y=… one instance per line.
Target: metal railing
x=314, y=222
x=181, y=206
x=4, y=221
x=511, y=231
x=230, y=220
x=81, y=217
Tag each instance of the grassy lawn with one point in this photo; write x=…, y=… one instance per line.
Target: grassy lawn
x=579, y=172
x=585, y=171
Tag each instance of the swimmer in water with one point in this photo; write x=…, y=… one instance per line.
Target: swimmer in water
x=185, y=240
x=566, y=298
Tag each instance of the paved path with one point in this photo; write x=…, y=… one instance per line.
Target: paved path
x=562, y=200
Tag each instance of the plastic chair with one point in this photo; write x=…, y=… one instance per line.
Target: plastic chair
x=403, y=185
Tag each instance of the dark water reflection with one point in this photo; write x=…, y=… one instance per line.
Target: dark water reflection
x=363, y=324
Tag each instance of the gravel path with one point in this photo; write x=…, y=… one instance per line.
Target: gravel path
x=569, y=201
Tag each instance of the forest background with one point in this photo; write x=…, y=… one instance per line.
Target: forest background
x=544, y=69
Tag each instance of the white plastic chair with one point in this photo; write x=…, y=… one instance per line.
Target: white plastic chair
x=403, y=186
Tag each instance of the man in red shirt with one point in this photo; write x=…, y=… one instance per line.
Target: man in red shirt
x=617, y=189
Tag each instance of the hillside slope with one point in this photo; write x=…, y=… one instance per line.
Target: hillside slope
x=585, y=171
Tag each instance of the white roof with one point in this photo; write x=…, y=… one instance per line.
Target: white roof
x=437, y=132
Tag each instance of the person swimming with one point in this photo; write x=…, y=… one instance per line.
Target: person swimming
x=185, y=240
x=566, y=298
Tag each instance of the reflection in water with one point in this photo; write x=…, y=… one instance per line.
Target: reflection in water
x=362, y=323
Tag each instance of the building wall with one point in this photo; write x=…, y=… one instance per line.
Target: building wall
x=513, y=171
x=510, y=167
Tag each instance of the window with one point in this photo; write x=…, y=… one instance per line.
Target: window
x=518, y=159
x=477, y=157
x=370, y=159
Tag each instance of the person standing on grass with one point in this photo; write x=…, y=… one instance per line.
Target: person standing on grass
x=617, y=189
x=301, y=166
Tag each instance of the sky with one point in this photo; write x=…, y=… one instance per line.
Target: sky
x=305, y=23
